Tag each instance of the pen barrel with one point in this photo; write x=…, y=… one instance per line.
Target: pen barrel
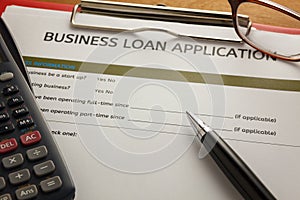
x=239, y=174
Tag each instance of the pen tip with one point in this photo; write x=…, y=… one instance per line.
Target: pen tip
x=198, y=125
x=191, y=116
x=188, y=113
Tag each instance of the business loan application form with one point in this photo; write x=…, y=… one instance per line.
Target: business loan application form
x=116, y=104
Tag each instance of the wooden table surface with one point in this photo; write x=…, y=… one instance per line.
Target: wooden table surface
x=218, y=5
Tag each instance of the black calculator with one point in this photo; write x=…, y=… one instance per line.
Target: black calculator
x=31, y=164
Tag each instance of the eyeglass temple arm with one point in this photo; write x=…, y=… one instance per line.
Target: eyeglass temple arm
x=245, y=22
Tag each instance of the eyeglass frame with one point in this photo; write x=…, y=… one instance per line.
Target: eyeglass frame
x=234, y=4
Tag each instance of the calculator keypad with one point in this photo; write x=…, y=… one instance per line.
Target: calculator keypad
x=20, y=112
x=37, y=153
x=4, y=116
x=51, y=184
x=6, y=76
x=30, y=138
x=10, y=90
x=24, y=123
x=44, y=168
x=2, y=183
x=27, y=192
x=2, y=105
x=15, y=101
x=18, y=130
x=8, y=145
x=5, y=197
x=19, y=177
x=13, y=161
x=6, y=128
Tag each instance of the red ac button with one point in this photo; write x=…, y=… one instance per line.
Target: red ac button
x=30, y=138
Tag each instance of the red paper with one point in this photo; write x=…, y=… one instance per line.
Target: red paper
x=35, y=4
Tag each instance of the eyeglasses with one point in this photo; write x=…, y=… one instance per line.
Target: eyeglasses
x=252, y=30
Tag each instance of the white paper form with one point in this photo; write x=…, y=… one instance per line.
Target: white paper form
x=116, y=104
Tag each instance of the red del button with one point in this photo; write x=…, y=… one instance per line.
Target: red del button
x=30, y=138
x=8, y=145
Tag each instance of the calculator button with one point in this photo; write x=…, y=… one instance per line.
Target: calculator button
x=51, y=184
x=8, y=145
x=44, y=168
x=26, y=122
x=2, y=105
x=19, y=177
x=2, y=184
x=28, y=192
x=13, y=161
x=30, y=138
x=5, y=197
x=10, y=90
x=19, y=112
x=15, y=101
x=7, y=128
x=37, y=153
x=4, y=116
x=6, y=76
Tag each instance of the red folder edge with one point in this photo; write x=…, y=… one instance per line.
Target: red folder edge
x=35, y=4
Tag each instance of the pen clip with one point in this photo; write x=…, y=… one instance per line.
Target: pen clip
x=160, y=14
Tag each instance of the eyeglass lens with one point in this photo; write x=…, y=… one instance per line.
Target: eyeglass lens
x=256, y=34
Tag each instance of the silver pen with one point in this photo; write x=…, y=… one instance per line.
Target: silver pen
x=235, y=169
